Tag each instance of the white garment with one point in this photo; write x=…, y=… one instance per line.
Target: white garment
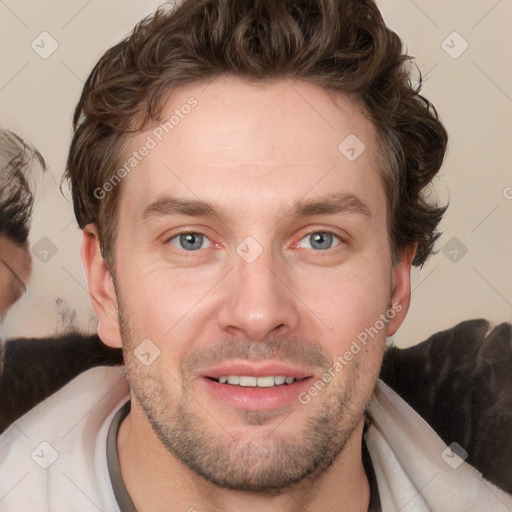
x=412, y=475
x=74, y=422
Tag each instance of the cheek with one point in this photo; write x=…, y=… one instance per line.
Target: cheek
x=347, y=300
x=10, y=292
x=350, y=303
x=162, y=304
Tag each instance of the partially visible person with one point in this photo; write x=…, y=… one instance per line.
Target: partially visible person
x=18, y=161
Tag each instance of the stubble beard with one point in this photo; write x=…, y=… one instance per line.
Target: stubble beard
x=265, y=464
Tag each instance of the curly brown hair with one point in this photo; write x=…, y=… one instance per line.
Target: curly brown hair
x=341, y=45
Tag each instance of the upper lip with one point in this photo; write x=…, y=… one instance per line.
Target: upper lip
x=256, y=370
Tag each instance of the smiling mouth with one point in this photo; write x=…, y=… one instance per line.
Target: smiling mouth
x=269, y=381
x=262, y=392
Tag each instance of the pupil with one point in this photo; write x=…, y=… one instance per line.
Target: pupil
x=195, y=239
x=323, y=240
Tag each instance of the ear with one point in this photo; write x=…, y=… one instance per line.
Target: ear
x=101, y=287
x=401, y=288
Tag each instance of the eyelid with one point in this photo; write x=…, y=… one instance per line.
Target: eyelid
x=173, y=233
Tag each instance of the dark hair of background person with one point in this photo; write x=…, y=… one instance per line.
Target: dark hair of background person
x=341, y=45
x=16, y=192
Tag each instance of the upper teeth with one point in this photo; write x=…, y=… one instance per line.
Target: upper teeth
x=261, y=382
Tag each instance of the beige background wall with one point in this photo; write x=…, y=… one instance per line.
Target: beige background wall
x=472, y=89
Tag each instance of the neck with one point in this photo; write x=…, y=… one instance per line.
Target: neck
x=157, y=480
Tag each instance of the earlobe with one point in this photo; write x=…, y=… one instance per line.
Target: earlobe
x=401, y=288
x=101, y=287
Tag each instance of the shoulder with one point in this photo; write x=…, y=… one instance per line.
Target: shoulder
x=460, y=381
x=56, y=441
x=90, y=391
x=414, y=467
x=35, y=368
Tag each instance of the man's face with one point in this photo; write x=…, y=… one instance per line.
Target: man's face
x=265, y=288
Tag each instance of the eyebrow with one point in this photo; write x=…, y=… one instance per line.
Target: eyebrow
x=333, y=204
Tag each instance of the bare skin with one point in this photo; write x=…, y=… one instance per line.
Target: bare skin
x=253, y=151
x=15, y=269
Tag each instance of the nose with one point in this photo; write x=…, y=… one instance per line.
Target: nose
x=258, y=300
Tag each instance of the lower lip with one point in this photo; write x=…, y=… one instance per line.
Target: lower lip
x=254, y=398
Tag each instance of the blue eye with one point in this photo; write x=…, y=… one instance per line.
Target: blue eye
x=189, y=241
x=321, y=240
x=318, y=240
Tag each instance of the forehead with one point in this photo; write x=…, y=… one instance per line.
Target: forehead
x=238, y=141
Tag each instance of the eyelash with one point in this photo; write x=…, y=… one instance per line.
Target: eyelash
x=309, y=233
